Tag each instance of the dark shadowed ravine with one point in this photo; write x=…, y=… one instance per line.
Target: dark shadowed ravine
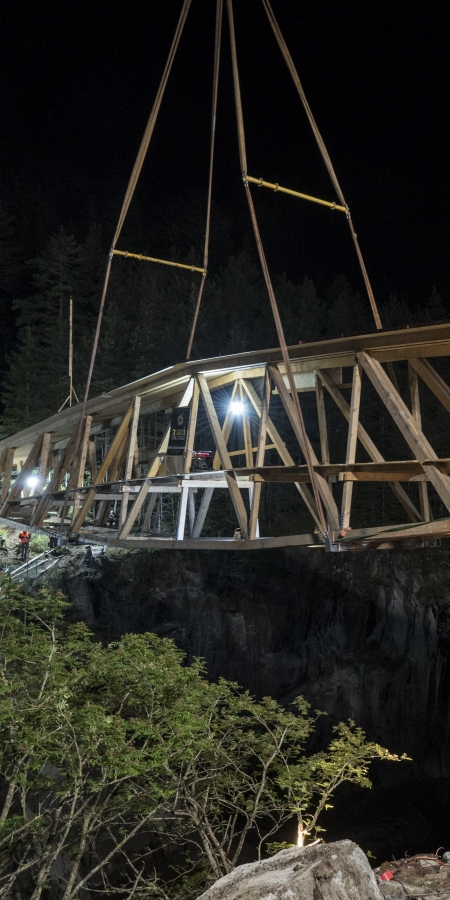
x=363, y=636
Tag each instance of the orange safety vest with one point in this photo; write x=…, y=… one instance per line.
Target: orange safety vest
x=24, y=537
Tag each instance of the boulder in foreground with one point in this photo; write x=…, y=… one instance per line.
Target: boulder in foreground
x=338, y=871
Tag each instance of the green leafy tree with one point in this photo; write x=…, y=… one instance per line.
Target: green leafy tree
x=310, y=784
x=111, y=753
x=86, y=735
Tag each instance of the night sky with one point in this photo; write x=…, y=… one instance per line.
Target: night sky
x=78, y=81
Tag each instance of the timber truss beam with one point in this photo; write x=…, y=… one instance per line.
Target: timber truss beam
x=116, y=495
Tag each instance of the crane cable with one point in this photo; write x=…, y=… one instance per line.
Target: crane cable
x=265, y=269
x=324, y=152
x=219, y=16
x=125, y=206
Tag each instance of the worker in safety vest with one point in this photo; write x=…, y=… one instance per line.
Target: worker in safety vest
x=24, y=538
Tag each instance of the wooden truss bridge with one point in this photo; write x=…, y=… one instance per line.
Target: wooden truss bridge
x=49, y=484
x=91, y=473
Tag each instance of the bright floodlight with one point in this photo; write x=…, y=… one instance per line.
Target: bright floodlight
x=32, y=482
x=237, y=407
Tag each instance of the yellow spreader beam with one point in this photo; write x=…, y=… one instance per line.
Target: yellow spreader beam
x=165, y=262
x=276, y=187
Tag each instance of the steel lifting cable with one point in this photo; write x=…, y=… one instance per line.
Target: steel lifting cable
x=323, y=150
x=265, y=269
x=219, y=16
x=125, y=206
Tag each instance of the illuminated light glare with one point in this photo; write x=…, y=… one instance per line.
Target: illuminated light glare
x=237, y=407
x=32, y=482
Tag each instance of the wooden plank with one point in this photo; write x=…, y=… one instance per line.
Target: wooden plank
x=227, y=425
x=414, y=436
x=438, y=528
x=368, y=444
x=160, y=543
x=149, y=512
x=260, y=454
x=202, y=512
x=433, y=380
x=352, y=438
x=43, y=461
x=323, y=486
x=225, y=460
x=191, y=511
x=190, y=437
x=110, y=456
x=93, y=460
x=76, y=479
x=282, y=450
x=321, y=415
x=246, y=427
x=413, y=380
x=181, y=525
x=133, y=438
x=21, y=480
x=7, y=471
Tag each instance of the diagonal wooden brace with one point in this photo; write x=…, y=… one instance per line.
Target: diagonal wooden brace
x=236, y=496
x=282, y=450
x=407, y=424
x=323, y=486
x=369, y=445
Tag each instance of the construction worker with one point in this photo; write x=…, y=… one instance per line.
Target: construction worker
x=24, y=538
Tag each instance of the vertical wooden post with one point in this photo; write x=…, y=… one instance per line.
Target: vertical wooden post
x=182, y=511
x=321, y=415
x=8, y=464
x=260, y=452
x=190, y=437
x=93, y=460
x=351, y=444
x=130, y=458
x=246, y=429
x=413, y=380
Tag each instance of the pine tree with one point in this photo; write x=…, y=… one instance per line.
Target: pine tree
x=22, y=394
x=349, y=312
x=43, y=322
x=395, y=313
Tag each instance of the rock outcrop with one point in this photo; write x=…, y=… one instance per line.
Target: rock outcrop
x=338, y=871
x=363, y=636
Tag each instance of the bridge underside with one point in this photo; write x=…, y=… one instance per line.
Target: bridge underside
x=129, y=486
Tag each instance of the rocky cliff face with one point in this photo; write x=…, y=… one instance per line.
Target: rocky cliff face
x=363, y=636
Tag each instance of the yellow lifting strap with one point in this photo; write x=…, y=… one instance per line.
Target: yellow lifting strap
x=276, y=187
x=165, y=262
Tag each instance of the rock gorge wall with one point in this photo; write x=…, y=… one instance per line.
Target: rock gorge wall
x=362, y=635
